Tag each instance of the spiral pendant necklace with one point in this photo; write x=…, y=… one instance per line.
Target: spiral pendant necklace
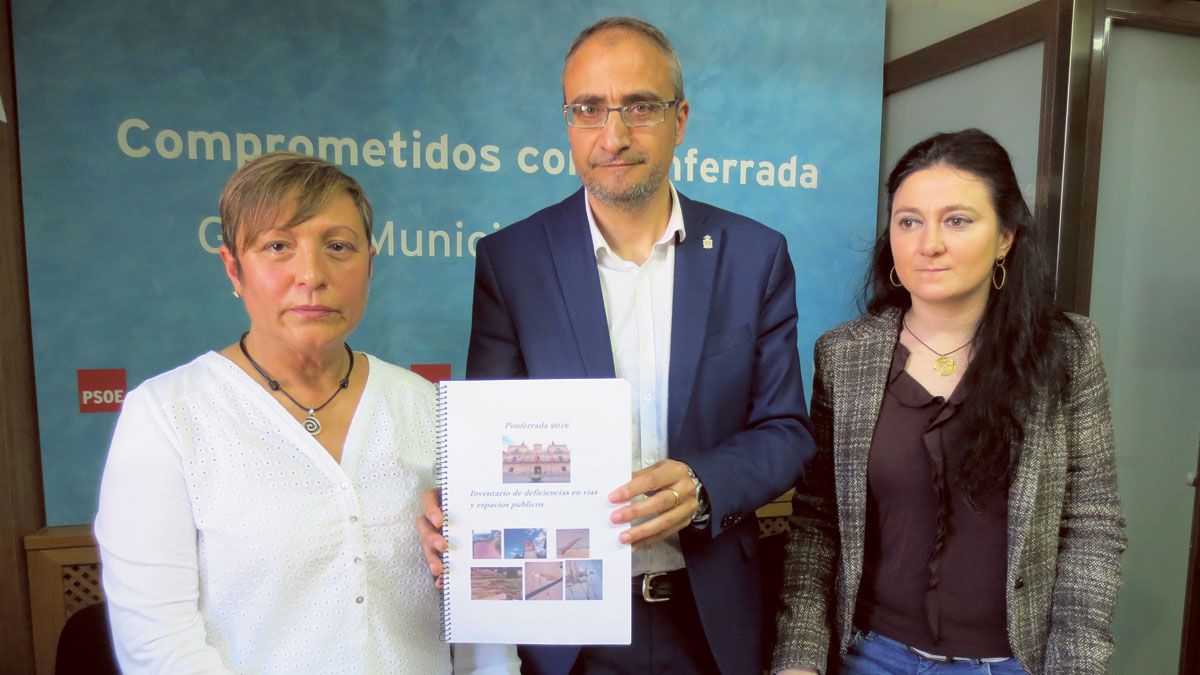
x=944, y=364
x=311, y=424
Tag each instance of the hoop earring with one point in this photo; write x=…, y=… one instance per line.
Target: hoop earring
x=892, y=277
x=1003, y=274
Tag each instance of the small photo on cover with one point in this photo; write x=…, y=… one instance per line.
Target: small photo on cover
x=543, y=581
x=524, y=543
x=536, y=463
x=485, y=544
x=585, y=579
x=572, y=543
x=495, y=583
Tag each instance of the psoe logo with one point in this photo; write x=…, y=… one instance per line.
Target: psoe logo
x=101, y=390
x=434, y=372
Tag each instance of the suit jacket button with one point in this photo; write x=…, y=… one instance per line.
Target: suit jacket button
x=1020, y=583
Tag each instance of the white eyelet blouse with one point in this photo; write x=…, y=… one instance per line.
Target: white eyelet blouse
x=231, y=541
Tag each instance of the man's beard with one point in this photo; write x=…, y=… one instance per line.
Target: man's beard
x=628, y=196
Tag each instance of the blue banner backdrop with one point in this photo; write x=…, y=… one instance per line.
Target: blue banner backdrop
x=134, y=114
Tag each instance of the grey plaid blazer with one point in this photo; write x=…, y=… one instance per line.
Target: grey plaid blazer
x=1065, y=529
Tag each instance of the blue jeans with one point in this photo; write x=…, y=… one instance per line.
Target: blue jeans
x=873, y=654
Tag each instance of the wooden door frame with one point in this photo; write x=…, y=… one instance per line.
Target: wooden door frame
x=1172, y=16
x=1163, y=15
x=22, y=507
x=1189, y=643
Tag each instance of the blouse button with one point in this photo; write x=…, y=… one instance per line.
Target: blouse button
x=1020, y=583
x=354, y=519
x=357, y=559
x=359, y=599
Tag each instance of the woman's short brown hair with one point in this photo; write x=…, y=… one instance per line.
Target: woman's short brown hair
x=268, y=189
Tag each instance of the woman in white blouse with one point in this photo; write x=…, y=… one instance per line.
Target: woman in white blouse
x=257, y=504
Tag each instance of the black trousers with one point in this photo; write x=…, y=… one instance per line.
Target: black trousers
x=667, y=640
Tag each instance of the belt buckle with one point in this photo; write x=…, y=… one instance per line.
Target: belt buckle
x=646, y=587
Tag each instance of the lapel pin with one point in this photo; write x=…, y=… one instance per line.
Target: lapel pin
x=706, y=242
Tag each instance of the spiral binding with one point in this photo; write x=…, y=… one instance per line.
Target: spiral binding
x=440, y=476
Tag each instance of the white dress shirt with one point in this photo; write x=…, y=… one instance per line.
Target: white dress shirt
x=637, y=303
x=231, y=541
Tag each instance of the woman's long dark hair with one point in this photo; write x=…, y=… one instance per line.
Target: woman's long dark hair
x=1018, y=351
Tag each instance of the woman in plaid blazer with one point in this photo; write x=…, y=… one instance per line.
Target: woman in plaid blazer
x=961, y=514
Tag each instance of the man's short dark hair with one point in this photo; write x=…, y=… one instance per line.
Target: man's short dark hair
x=644, y=29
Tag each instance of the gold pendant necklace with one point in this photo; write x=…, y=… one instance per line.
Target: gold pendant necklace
x=943, y=365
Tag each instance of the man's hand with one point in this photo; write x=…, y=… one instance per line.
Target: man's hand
x=670, y=499
x=429, y=527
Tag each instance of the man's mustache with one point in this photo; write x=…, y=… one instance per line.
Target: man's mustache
x=623, y=158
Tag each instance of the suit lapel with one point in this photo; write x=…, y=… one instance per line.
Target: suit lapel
x=1022, y=492
x=866, y=360
x=575, y=264
x=695, y=273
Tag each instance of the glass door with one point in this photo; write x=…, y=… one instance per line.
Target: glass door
x=1145, y=299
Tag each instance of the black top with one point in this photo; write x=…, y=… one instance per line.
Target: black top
x=933, y=566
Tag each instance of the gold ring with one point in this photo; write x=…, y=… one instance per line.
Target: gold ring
x=676, y=497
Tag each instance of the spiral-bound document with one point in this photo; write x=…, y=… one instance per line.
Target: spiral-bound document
x=525, y=468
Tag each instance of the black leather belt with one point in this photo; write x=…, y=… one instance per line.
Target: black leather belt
x=660, y=586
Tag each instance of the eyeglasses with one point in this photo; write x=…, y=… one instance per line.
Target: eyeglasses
x=640, y=114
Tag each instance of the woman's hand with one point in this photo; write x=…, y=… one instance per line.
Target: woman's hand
x=429, y=527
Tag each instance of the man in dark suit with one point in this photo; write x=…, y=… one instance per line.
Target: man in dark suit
x=695, y=306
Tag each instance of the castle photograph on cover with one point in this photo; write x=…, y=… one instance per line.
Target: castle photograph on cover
x=549, y=463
